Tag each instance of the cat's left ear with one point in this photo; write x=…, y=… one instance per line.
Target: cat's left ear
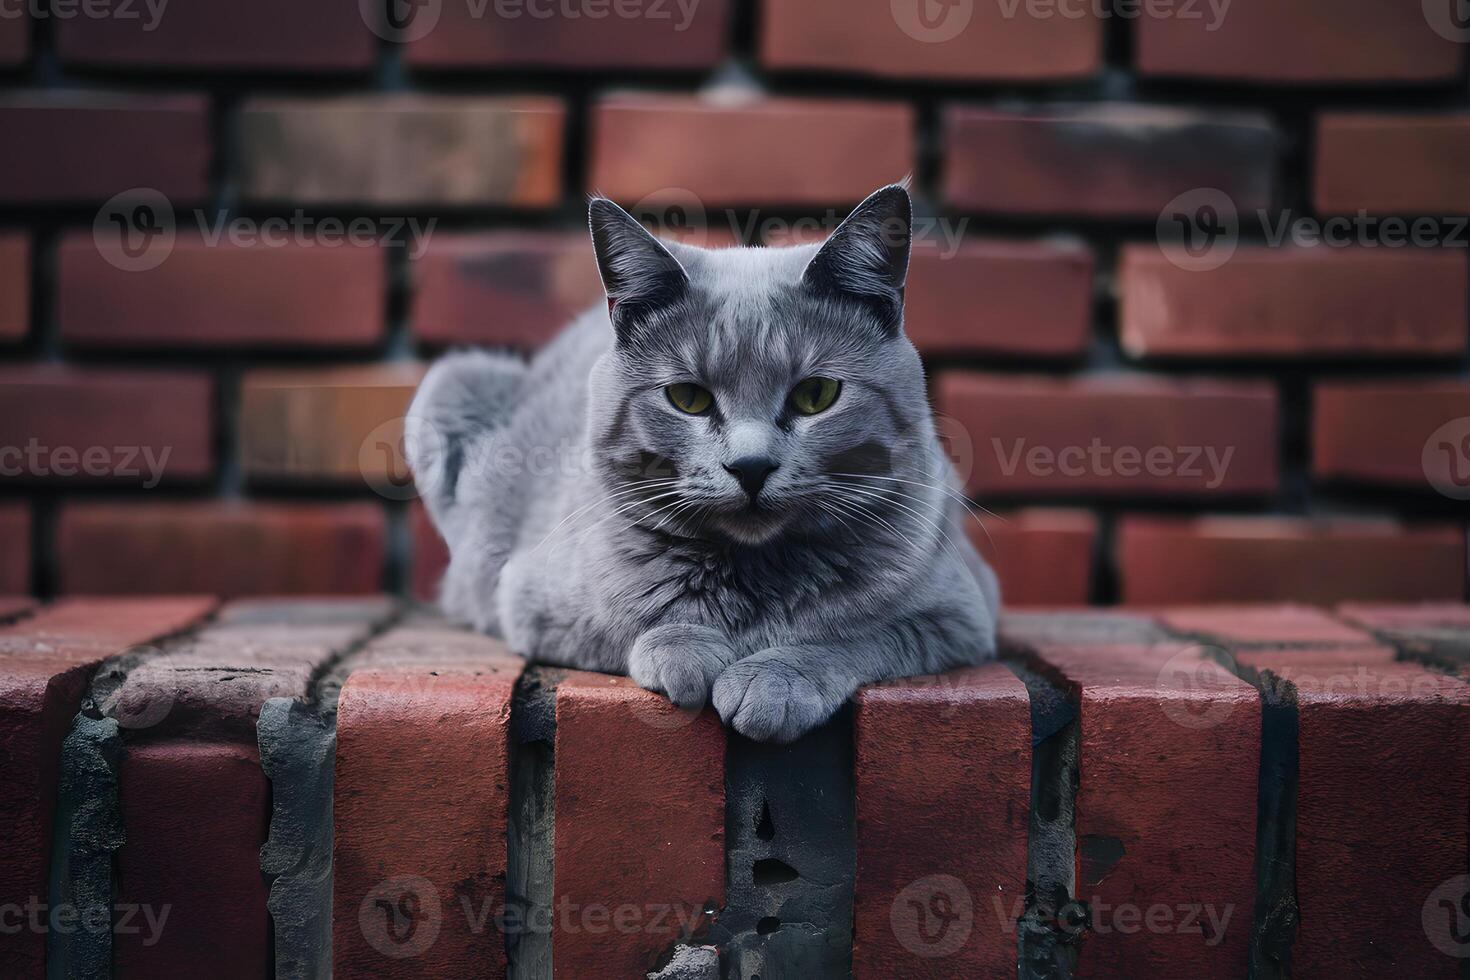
x=867, y=257
x=638, y=273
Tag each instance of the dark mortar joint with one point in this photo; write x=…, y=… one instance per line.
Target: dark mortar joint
x=531, y=835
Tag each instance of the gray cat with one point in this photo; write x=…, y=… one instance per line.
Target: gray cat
x=726, y=485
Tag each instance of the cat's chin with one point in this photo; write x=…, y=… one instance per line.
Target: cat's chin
x=750, y=527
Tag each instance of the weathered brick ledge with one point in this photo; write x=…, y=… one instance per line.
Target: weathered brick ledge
x=294, y=788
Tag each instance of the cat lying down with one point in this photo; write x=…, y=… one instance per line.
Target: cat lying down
x=726, y=484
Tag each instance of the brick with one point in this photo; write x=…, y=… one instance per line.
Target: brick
x=511, y=35
x=1389, y=431
x=430, y=555
x=639, y=850
x=1263, y=41
x=1296, y=302
x=15, y=287
x=1043, y=556
x=203, y=295
x=1436, y=633
x=273, y=548
x=1165, y=807
x=81, y=424
x=15, y=549
x=48, y=660
x=1286, y=625
x=660, y=149
x=1389, y=164
x=1166, y=561
x=75, y=146
x=1113, y=434
x=421, y=807
x=403, y=150
x=502, y=289
x=15, y=607
x=217, y=38
x=970, y=42
x=336, y=424
x=1105, y=161
x=15, y=39
x=996, y=297
x=926, y=749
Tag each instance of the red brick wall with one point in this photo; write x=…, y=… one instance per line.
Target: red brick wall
x=314, y=209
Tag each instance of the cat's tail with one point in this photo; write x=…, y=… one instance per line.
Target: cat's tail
x=465, y=396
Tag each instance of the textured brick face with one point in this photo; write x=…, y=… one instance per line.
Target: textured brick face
x=1391, y=164
x=15, y=287
x=1043, y=557
x=15, y=549
x=1384, y=432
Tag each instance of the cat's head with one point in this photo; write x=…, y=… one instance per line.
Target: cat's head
x=752, y=392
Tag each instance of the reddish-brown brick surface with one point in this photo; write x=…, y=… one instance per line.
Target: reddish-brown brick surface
x=1114, y=434
x=48, y=660
x=421, y=806
x=1043, y=557
x=1165, y=807
x=905, y=39
x=80, y=146
x=1253, y=559
x=223, y=547
x=430, y=554
x=1296, y=302
x=285, y=292
x=980, y=297
x=269, y=35
x=340, y=424
x=15, y=549
x=1109, y=161
x=14, y=607
x=403, y=149
x=504, y=289
x=926, y=749
x=1408, y=164
x=639, y=847
x=15, y=39
x=1264, y=625
x=1311, y=41
x=15, y=287
x=81, y=424
x=674, y=149
x=1436, y=633
x=1396, y=431
x=517, y=35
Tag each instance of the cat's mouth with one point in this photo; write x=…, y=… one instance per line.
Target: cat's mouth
x=750, y=523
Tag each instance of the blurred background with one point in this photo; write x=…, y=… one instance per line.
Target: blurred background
x=1190, y=275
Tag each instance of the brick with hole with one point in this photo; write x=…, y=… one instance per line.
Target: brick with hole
x=229, y=548
x=1391, y=165
x=421, y=806
x=222, y=292
x=980, y=297
x=65, y=424
x=1116, y=434
x=48, y=661
x=15, y=548
x=340, y=425
x=965, y=42
x=1044, y=556
x=1165, y=806
x=401, y=150
x=79, y=146
x=1397, y=432
x=1296, y=302
x=214, y=37
x=639, y=849
x=1313, y=42
x=676, y=151
x=1103, y=161
x=927, y=748
x=687, y=36
x=1218, y=559
x=15, y=287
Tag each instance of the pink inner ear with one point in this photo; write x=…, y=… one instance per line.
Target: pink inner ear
x=610, y=305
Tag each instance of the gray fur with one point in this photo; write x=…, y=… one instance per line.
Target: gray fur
x=545, y=481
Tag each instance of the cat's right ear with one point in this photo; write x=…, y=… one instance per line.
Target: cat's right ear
x=638, y=273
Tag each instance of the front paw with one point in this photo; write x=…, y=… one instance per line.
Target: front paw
x=766, y=698
x=680, y=661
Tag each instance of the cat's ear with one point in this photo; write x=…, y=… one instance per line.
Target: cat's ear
x=638, y=273
x=867, y=257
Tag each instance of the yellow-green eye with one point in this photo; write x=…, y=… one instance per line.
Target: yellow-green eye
x=690, y=399
x=815, y=395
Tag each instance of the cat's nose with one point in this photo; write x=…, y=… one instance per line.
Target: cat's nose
x=752, y=472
